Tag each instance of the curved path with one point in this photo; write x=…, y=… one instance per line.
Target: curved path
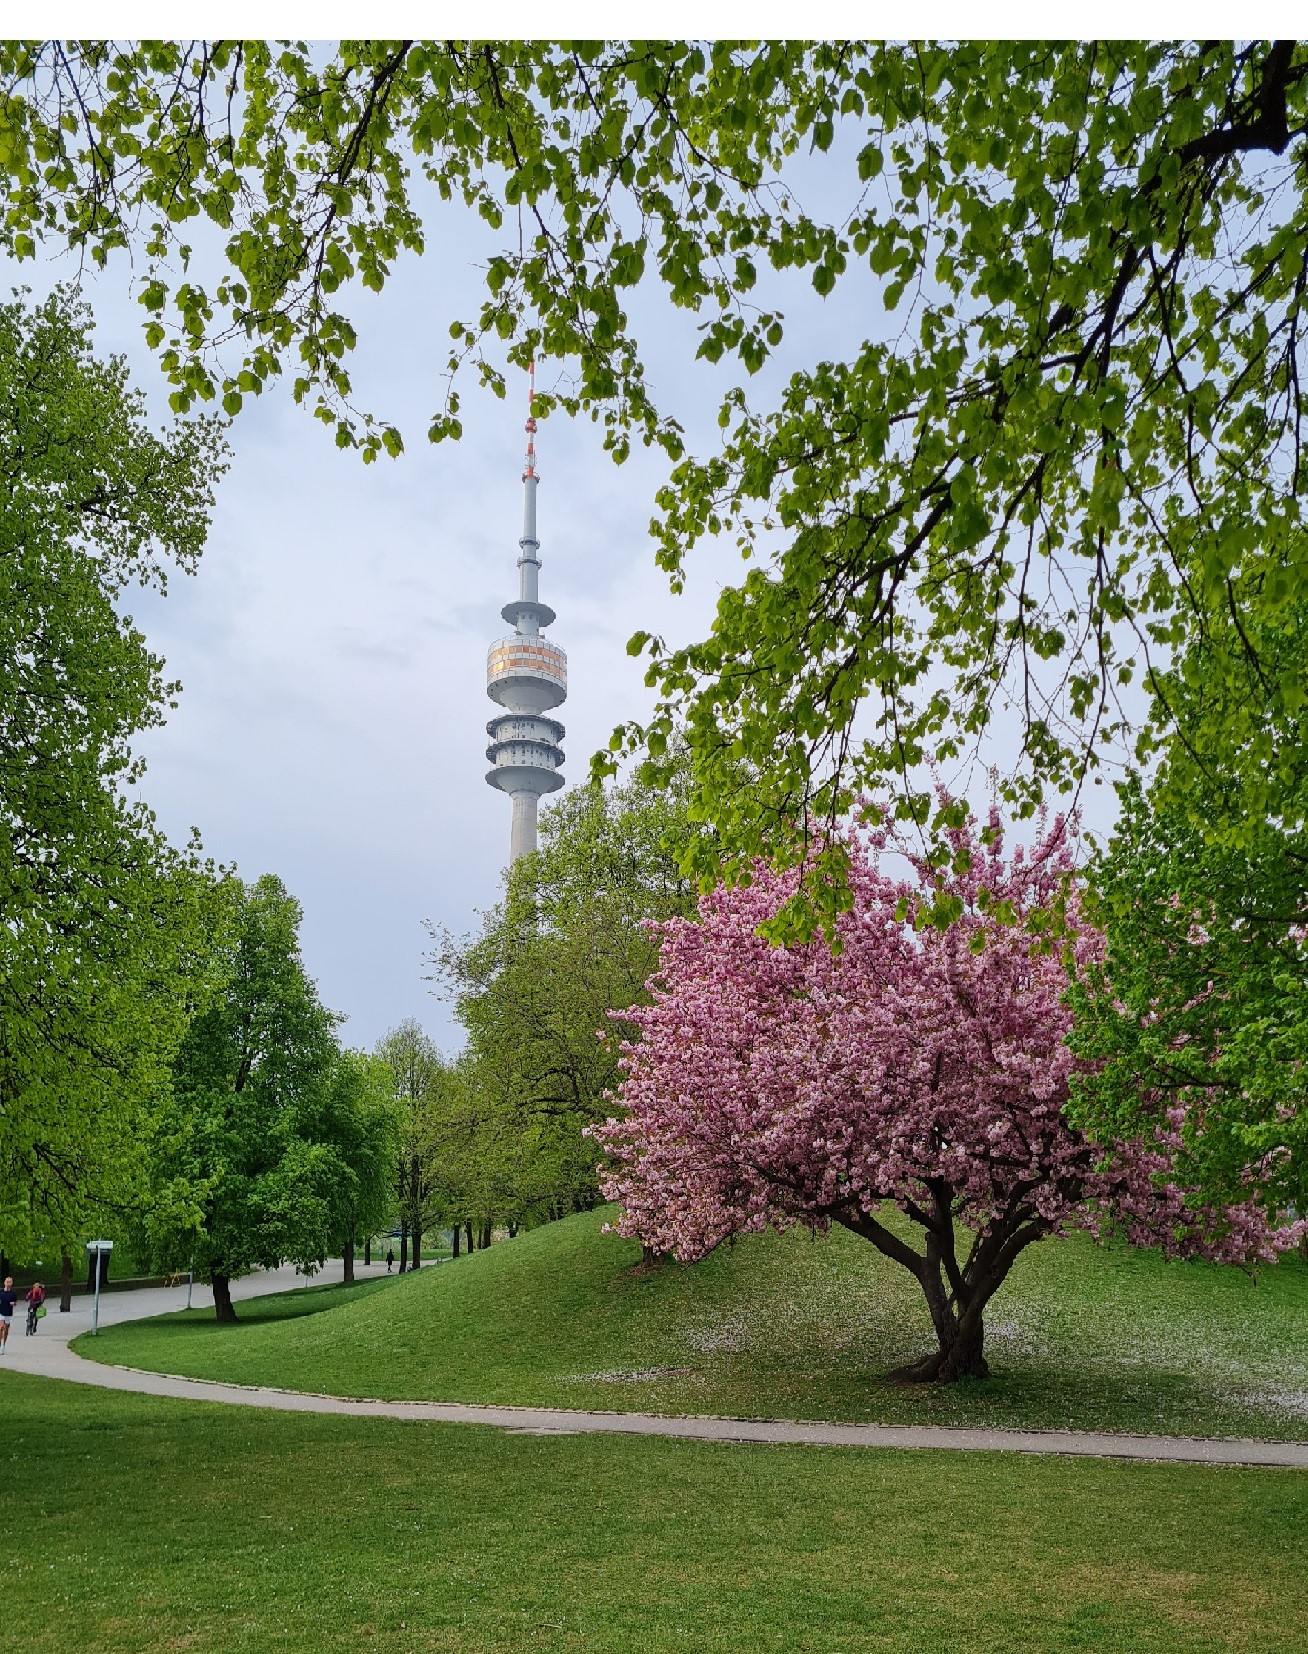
x=48, y=1354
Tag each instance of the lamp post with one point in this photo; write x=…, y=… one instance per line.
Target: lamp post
x=97, y=1248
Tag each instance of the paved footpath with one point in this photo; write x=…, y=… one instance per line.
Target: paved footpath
x=48, y=1354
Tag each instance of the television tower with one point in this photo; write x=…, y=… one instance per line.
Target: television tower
x=527, y=675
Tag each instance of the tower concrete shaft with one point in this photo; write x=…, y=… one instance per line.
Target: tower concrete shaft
x=522, y=829
x=526, y=675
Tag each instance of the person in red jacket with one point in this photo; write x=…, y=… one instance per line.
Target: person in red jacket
x=35, y=1298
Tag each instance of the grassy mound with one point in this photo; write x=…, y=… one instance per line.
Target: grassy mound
x=775, y=1326
x=131, y=1525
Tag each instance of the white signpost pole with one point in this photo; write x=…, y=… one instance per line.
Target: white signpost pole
x=95, y=1248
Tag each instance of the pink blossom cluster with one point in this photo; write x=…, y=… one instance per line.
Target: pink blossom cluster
x=909, y=1063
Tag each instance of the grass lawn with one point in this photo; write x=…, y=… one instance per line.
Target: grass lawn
x=776, y=1326
x=130, y=1524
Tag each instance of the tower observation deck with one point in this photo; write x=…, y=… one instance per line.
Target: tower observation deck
x=526, y=675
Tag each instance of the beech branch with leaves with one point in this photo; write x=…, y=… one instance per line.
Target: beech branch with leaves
x=1069, y=446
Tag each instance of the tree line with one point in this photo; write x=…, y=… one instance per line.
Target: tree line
x=167, y=1068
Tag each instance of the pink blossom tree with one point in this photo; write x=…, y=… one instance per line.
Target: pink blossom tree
x=920, y=1061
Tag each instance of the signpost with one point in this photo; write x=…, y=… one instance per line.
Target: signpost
x=96, y=1248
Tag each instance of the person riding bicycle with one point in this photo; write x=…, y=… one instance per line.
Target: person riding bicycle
x=35, y=1298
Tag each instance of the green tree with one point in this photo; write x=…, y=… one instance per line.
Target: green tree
x=241, y=1181
x=416, y=1068
x=1202, y=1003
x=358, y=1118
x=480, y=1163
x=1068, y=445
x=1204, y=999
x=104, y=946
x=535, y=990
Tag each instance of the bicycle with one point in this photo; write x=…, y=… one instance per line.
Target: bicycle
x=35, y=1309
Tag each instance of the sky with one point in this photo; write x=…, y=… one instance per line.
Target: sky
x=331, y=647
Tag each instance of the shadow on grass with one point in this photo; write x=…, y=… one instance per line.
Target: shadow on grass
x=306, y=1300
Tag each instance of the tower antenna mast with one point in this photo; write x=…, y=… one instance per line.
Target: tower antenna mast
x=527, y=676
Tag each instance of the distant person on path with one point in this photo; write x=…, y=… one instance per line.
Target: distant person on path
x=390, y=1259
x=35, y=1298
x=7, y=1299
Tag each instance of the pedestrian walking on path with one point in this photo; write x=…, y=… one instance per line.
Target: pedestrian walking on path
x=8, y=1298
x=390, y=1259
x=35, y=1306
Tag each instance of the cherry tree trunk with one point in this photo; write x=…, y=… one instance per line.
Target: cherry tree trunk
x=347, y=1273
x=956, y=1294
x=66, y=1284
x=960, y=1355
